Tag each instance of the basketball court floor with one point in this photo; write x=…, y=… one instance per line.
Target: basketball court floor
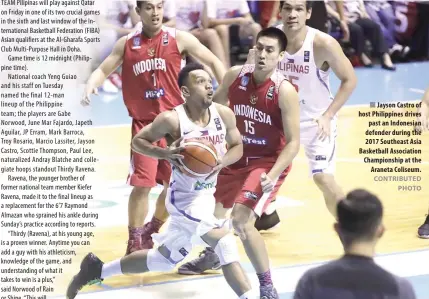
x=305, y=238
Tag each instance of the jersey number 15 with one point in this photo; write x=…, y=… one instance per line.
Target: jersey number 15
x=249, y=128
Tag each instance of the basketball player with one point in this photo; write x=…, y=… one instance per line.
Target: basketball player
x=267, y=109
x=151, y=60
x=190, y=201
x=309, y=57
x=423, y=231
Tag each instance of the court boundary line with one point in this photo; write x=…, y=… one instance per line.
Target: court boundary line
x=209, y=276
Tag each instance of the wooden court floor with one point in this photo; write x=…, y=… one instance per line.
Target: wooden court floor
x=306, y=233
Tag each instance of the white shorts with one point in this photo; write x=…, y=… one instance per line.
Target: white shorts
x=191, y=216
x=320, y=154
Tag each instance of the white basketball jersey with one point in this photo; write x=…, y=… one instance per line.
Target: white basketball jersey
x=311, y=83
x=215, y=132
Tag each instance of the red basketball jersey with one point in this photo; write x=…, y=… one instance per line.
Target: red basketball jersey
x=258, y=115
x=149, y=74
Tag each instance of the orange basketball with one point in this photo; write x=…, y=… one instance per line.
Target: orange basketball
x=200, y=156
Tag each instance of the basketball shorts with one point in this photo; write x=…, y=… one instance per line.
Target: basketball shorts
x=244, y=186
x=191, y=216
x=320, y=154
x=146, y=171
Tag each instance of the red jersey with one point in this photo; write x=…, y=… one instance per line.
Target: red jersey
x=258, y=116
x=149, y=74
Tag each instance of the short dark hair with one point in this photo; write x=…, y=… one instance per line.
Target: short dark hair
x=359, y=216
x=139, y=2
x=274, y=33
x=308, y=4
x=184, y=72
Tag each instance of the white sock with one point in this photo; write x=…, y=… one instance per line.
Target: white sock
x=271, y=208
x=247, y=295
x=111, y=269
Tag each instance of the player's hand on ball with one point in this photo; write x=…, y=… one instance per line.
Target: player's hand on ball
x=215, y=170
x=173, y=153
x=324, y=124
x=86, y=99
x=266, y=183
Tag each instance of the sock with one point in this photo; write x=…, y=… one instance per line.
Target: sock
x=247, y=295
x=265, y=278
x=156, y=224
x=111, y=269
x=134, y=232
x=271, y=208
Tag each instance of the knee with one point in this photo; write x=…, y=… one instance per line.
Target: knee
x=157, y=262
x=227, y=250
x=222, y=31
x=243, y=228
x=211, y=35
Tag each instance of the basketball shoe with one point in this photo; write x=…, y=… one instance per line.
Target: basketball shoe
x=89, y=274
x=207, y=260
x=423, y=231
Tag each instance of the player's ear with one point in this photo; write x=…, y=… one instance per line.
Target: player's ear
x=185, y=91
x=281, y=55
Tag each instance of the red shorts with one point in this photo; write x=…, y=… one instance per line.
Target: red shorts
x=146, y=171
x=244, y=186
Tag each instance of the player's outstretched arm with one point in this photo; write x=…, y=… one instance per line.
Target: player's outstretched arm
x=221, y=94
x=190, y=44
x=233, y=136
x=111, y=63
x=331, y=51
x=424, y=111
x=164, y=124
x=289, y=106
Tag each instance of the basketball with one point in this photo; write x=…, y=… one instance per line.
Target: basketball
x=200, y=156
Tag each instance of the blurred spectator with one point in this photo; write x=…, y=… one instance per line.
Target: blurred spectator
x=361, y=28
x=189, y=17
x=169, y=13
x=117, y=18
x=412, y=27
x=382, y=13
x=228, y=15
x=355, y=275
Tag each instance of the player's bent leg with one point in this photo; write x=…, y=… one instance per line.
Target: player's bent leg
x=225, y=247
x=332, y=192
x=243, y=222
x=93, y=270
x=158, y=219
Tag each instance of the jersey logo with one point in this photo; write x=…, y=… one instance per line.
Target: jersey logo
x=151, y=52
x=154, y=94
x=253, y=140
x=253, y=99
x=203, y=186
x=290, y=60
x=251, y=195
x=136, y=43
x=270, y=93
x=306, y=56
x=218, y=124
x=165, y=39
x=183, y=251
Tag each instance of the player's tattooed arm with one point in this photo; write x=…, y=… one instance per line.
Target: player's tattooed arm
x=189, y=44
x=165, y=124
x=221, y=94
x=328, y=51
x=110, y=64
x=289, y=106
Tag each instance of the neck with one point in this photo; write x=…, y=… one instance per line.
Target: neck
x=296, y=37
x=149, y=33
x=261, y=76
x=363, y=249
x=197, y=114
